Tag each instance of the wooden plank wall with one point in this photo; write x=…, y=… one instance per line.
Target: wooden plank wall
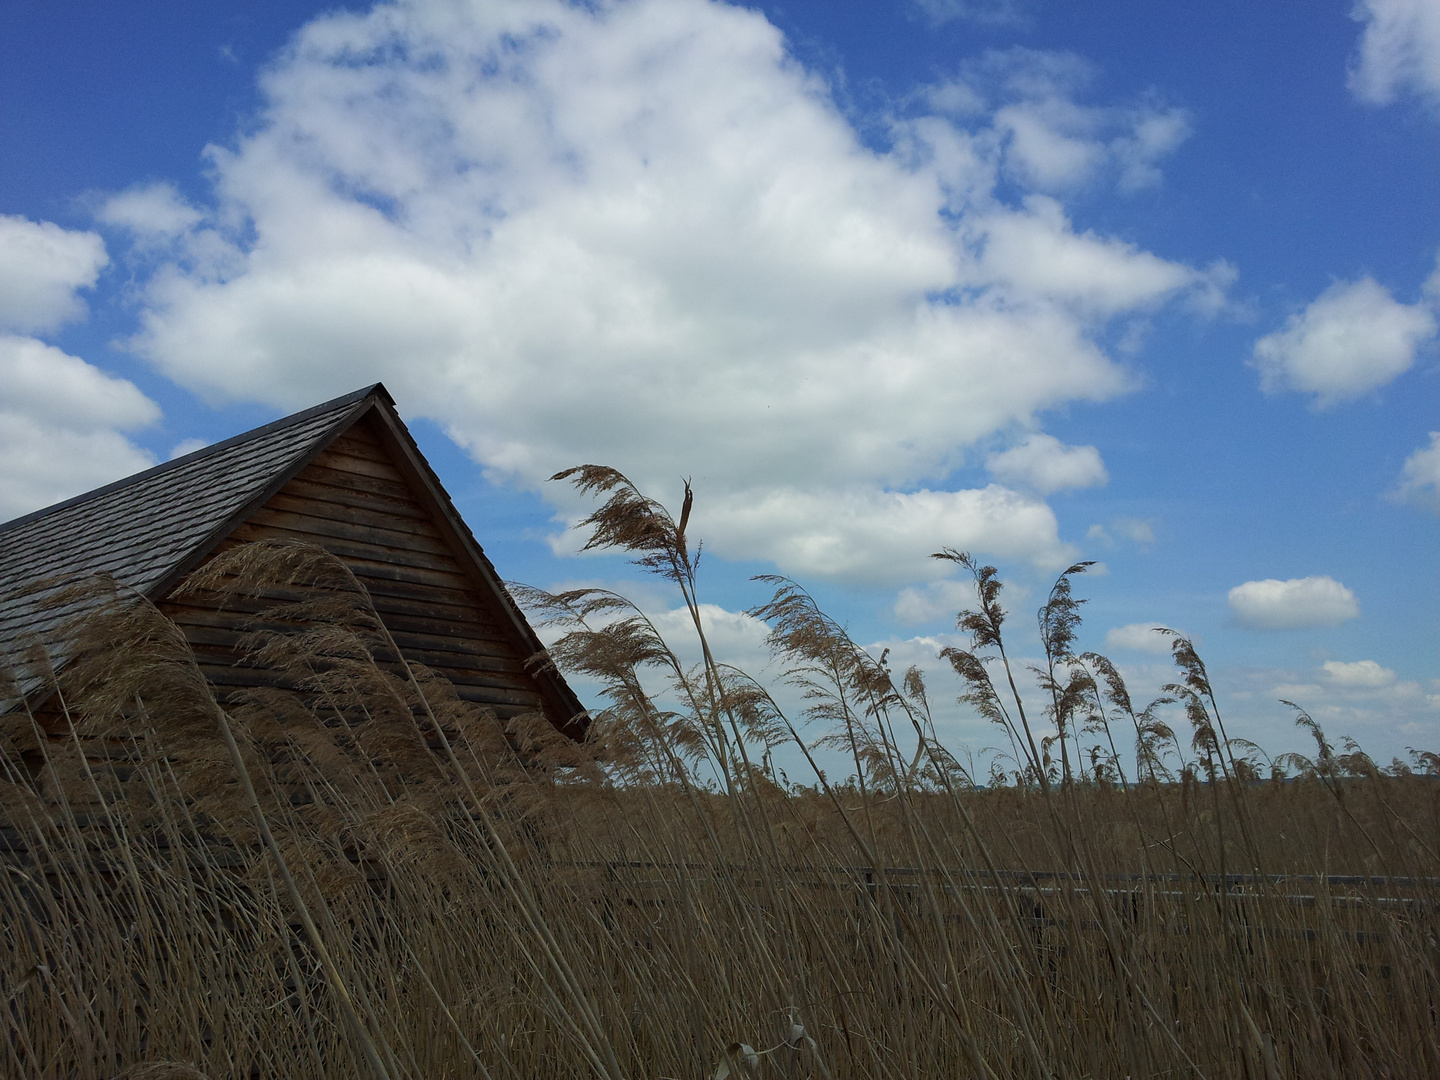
x=353, y=501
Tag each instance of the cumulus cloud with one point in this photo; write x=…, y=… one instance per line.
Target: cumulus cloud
x=1419, y=484
x=1354, y=338
x=1141, y=637
x=735, y=637
x=1050, y=140
x=1298, y=603
x=1399, y=50
x=1046, y=464
x=869, y=535
x=1357, y=674
x=41, y=267
x=1037, y=252
x=1361, y=698
x=154, y=213
x=61, y=424
x=935, y=600
x=62, y=421
x=641, y=233
x=1055, y=144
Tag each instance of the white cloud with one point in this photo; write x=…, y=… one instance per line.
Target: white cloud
x=935, y=600
x=1362, y=699
x=1141, y=637
x=160, y=223
x=880, y=536
x=1399, y=50
x=1358, y=674
x=1048, y=144
x=55, y=388
x=186, y=446
x=1054, y=144
x=61, y=424
x=641, y=233
x=1155, y=133
x=1136, y=530
x=923, y=652
x=1050, y=141
x=1352, y=339
x=41, y=268
x=1420, y=477
x=1046, y=464
x=734, y=637
x=984, y=12
x=155, y=213
x=869, y=535
x=1038, y=253
x=1291, y=605
x=61, y=420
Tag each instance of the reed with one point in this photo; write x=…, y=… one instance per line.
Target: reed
x=362, y=875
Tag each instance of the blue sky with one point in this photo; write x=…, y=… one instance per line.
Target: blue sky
x=1150, y=284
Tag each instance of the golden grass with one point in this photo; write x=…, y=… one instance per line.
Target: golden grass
x=364, y=876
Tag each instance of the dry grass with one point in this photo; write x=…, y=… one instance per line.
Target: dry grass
x=362, y=875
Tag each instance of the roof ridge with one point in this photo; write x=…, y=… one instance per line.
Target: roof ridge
x=198, y=455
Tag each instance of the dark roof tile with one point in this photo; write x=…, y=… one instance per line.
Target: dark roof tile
x=143, y=529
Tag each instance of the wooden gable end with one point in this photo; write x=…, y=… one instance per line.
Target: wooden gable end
x=366, y=500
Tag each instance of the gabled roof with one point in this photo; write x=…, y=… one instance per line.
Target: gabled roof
x=151, y=529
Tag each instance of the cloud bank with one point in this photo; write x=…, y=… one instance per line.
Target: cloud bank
x=641, y=233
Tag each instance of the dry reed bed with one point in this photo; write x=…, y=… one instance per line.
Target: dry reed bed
x=362, y=875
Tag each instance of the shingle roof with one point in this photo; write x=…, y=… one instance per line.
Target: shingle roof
x=147, y=529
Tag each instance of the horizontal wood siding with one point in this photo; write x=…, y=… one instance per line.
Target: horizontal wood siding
x=354, y=502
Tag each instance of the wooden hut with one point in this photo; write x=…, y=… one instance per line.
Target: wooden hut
x=345, y=475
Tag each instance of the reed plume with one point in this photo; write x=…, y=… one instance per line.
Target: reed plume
x=351, y=871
